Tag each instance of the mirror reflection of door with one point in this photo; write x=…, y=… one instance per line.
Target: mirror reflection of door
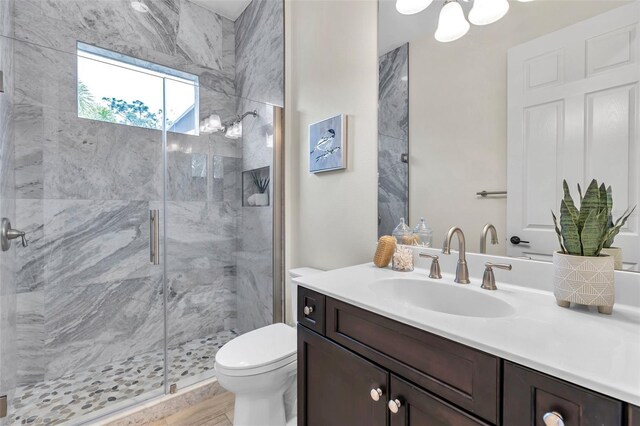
x=573, y=114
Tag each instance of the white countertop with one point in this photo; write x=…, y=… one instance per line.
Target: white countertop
x=599, y=352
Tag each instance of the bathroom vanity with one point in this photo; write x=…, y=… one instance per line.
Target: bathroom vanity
x=383, y=360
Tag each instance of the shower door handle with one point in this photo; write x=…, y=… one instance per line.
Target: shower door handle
x=154, y=236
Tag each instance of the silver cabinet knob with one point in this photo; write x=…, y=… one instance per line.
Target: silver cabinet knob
x=553, y=418
x=394, y=405
x=376, y=394
x=308, y=310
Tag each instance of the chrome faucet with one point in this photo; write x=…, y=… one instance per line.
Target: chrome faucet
x=462, y=271
x=483, y=238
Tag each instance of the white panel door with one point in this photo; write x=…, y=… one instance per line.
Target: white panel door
x=573, y=113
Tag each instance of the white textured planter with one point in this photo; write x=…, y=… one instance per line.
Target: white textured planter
x=616, y=253
x=261, y=199
x=584, y=280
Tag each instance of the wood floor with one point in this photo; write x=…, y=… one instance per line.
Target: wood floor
x=217, y=411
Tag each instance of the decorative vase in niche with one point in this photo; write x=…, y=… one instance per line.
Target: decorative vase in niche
x=616, y=253
x=261, y=199
x=586, y=280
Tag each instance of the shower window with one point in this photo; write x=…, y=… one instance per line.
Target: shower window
x=120, y=89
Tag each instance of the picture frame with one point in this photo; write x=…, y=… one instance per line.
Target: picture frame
x=328, y=144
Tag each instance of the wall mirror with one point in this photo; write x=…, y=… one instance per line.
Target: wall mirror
x=479, y=123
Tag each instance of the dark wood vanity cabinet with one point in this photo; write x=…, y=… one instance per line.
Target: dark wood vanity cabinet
x=359, y=368
x=633, y=415
x=529, y=395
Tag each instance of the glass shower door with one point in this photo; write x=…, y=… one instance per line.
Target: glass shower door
x=202, y=211
x=89, y=302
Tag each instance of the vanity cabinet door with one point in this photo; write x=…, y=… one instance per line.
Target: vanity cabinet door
x=335, y=385
x=412, y=406
x=633, y=415
x=529, y=395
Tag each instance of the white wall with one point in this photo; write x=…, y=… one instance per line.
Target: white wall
x=331, y=67
x=457, y=117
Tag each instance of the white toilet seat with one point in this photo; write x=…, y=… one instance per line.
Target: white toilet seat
x=259, y=351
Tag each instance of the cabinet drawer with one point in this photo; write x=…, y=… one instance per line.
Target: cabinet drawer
x=314, y=303
x=633, y=415
x=420, y=408
x=528, y=395
x=464, y=376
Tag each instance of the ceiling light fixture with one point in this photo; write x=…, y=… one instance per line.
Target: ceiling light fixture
x=485, y=12
x=411, y=7
x=452, y=24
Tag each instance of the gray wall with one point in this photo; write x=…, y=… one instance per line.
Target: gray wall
x=87, y=294
x=260, y=82
x=7, y=206
x=393, y=139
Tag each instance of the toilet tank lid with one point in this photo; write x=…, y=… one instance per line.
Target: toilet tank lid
x=257, y=348
x=301, y=272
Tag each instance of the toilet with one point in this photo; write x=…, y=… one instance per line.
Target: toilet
x=259, y=367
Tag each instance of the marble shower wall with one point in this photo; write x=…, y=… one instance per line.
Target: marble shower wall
x=260, y=52
x=87, y=294
x=7, y=207
x=259, y=83
x=393, y=139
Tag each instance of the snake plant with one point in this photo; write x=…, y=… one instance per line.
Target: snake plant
x=585, y=231
x=261, y=183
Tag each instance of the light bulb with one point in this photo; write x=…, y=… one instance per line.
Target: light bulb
x=213, y=123
x=410, y=7
x=238, y=129
x=486, y=12
x=234, y=131
x=452, y=24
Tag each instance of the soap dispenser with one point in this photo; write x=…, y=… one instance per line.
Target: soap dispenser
x=422, y=234
x=402, y=233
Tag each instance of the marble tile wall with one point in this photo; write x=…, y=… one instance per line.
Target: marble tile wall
x=255, y=255
x=87, y=294
x=259, y=84
x=260, y=52
x=393, y=138
x=175, y=33
x=8, y=353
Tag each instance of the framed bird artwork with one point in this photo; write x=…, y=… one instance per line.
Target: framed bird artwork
x=328, y=144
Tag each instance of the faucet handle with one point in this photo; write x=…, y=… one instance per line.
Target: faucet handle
x=488, y=279
x=435, y=266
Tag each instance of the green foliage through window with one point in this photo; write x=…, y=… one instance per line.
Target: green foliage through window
x=117, y=88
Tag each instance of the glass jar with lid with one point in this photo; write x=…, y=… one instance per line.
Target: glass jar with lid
x=402, y=233
x=422, y=234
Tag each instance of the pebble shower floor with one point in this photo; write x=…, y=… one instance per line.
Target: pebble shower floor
x=68, y=398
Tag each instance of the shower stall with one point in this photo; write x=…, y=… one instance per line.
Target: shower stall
x=150, y=232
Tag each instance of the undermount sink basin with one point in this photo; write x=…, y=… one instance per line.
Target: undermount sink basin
x=453, y=299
